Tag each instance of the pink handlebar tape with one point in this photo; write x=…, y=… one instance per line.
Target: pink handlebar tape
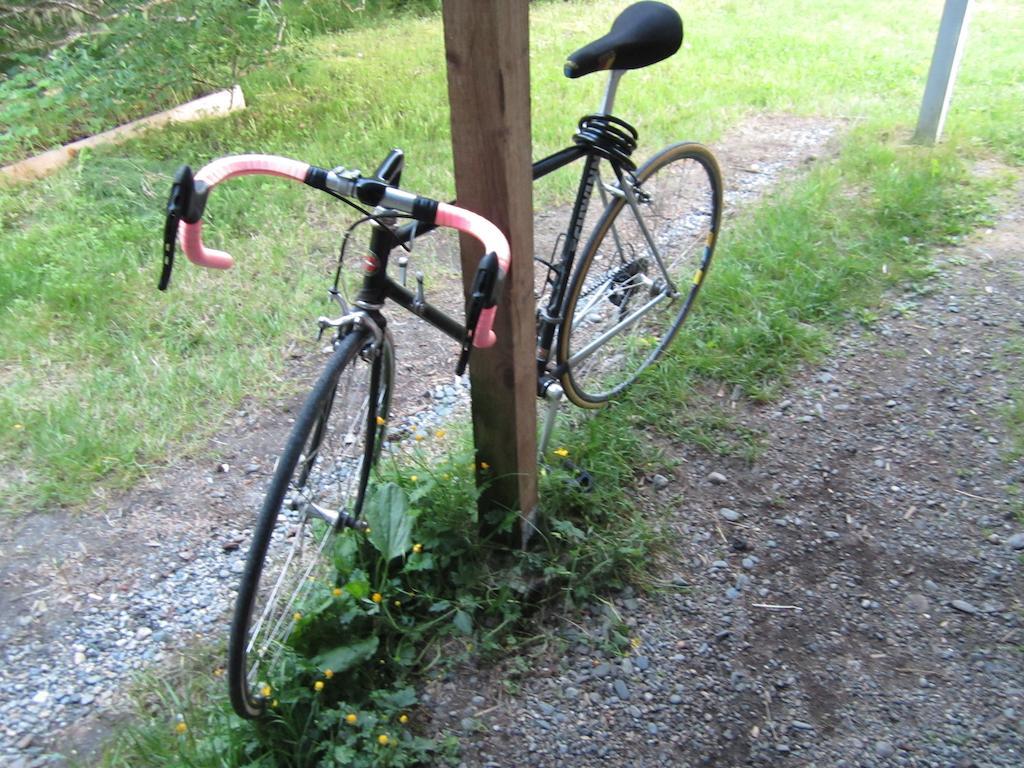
x=191, y=235
x=493, y=241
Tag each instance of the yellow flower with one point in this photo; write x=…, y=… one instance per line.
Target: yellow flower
x=403, y=719
x=440, y=433
x=265, y=691
x=376, y=597
x=336, y=591
x=398, y=603
x=635, y=642
x=19, y=426
x=561, y=452
x=351, y=718
x=417, y=548
x=418, y=438
x=318, y=686
x=181, y=728
x=381, y=421
x=484, y=466
x=273, y=704
x=383, y=739
x=414, y=478
x=297, y=615
x=328, y=673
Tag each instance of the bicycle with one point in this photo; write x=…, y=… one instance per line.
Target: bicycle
x=606, y=314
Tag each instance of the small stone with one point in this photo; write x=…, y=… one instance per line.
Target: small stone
x=748, y=563
x=620, y=689
x=41, y=697
x=732, y=593
x=917, y=603
x=659, y=482
x=717, y=478
x=729, y=514
x=799, y=725
x=251, y=469
x=964, y=607
x=1016, y=541
x=602, y=670
x=884, y=749
x=25, y=742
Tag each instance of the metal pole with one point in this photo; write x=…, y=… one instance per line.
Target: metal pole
x=949, y=46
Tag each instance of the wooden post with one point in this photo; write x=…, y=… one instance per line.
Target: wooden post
x=949, y=46
x=487, y=49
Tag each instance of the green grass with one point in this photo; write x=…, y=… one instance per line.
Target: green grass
x=102, y=375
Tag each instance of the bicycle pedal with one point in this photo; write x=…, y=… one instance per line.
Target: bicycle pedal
x=582, y=479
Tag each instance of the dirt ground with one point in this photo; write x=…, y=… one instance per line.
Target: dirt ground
x=852, y=596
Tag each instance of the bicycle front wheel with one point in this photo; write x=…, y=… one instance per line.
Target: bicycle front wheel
x=318, y=486
x=639, y=273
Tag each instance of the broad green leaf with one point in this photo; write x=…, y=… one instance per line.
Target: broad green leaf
x=387, y=512
x=421, y=562
x=358, y=589
x=341, y=658
x=463, y=622
x=346, y=547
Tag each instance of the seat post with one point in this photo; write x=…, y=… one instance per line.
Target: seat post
x=609, y=92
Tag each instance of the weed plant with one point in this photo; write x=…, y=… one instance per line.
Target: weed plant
x=423, y=590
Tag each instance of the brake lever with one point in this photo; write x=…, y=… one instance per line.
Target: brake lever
x=177, y=207
x=483, y=295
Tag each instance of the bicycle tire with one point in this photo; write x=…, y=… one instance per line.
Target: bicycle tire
x=326, y=464
x=679, y=193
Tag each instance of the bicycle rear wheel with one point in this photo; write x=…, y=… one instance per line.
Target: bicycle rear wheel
x=318, y=486
x=639, y=273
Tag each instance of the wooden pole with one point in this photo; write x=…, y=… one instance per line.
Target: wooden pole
x=949, y=46
x=487, y=49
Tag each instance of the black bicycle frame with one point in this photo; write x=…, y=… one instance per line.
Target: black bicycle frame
x=378, y=287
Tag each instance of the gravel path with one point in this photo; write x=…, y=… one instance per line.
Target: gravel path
x=853, y=597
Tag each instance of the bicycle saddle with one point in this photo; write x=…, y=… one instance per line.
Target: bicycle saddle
x=643, y=34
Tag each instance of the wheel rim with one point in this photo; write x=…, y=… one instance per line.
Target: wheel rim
x=621, y=311
x=326, y=478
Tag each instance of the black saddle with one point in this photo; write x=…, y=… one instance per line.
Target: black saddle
x=643, y=34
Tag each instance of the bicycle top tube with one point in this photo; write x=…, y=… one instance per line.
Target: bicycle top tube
x=189, y=195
